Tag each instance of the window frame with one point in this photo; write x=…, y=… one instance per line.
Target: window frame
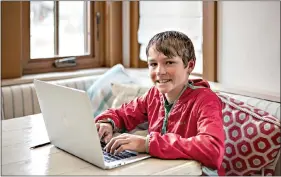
x=209, y=49
x=108, y=51
x=10, y=40
x=44, y=65
x=210, y=60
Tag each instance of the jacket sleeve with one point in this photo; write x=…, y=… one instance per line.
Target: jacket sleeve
x=128, y=115
x=206, y=147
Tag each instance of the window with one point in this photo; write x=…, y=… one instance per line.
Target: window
x=35, y=34
x=197, y=19
x=58, y=29
x=65, y=26
x=183, y=16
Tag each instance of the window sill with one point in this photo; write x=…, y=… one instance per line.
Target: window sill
x=53, y=76
x=26, y=79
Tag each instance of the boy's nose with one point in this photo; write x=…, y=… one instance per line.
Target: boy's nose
x=160, y=70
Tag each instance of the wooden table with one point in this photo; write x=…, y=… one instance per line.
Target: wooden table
x=18, y=159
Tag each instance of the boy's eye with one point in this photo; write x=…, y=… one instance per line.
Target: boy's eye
x=169, y=62
x=152, y=64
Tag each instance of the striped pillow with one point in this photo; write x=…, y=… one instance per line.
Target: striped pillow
x=100, y=93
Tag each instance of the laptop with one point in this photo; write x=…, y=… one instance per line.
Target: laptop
x=68, y=117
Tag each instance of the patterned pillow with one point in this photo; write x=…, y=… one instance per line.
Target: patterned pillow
x=252, y=144
x=100, y=92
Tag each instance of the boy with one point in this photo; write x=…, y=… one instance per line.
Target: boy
x=184, y=116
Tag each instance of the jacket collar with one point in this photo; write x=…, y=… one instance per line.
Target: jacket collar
x=186, y=90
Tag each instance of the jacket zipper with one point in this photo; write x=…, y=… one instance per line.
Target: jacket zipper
x=166, y=117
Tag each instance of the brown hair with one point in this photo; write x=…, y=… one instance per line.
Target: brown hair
x=173, y=43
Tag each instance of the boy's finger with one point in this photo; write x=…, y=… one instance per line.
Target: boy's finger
x=117, y=144
x=121, y=148
x=98, y=126
x=109, y=144
x=101, y=132
x=107, y=138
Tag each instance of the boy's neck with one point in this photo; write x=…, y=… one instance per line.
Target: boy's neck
x=172, y=96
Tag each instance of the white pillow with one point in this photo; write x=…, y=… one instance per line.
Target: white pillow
x=124, y=93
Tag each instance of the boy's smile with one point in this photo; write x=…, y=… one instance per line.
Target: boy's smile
x=161, y=84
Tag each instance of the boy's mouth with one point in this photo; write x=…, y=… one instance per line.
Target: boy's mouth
x=163, y=81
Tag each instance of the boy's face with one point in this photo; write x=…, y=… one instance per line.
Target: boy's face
x=168, y=74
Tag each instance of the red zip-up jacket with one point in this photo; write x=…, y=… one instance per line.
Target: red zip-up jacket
x=194, y=127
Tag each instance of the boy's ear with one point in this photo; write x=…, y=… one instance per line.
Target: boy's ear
x=190, y=66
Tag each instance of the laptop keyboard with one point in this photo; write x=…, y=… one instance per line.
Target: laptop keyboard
x=110, y=157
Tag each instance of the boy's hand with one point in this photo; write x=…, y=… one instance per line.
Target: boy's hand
x=126, y=142
x=105, y=131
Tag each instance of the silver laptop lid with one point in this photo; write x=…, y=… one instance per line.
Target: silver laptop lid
x=67, y=114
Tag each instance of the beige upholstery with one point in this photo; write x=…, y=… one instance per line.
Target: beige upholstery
x=271, y=107
x=21, y=100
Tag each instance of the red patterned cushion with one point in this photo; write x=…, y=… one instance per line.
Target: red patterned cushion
x=252, y=144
